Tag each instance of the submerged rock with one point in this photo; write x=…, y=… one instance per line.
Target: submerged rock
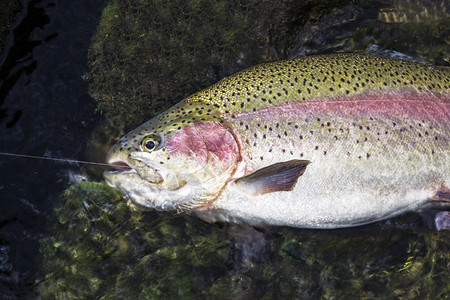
x=102, y=247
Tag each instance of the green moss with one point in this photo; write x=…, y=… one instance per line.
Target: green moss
x=414, y=28
x=148, y=55
x=372, y=262
x=100, y=247
x=376, y=261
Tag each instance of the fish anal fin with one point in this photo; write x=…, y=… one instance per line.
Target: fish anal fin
x=280, y=176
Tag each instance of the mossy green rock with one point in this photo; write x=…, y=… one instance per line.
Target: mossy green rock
x=101, y=247
x=148, y=55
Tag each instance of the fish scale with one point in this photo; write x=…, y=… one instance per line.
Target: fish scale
x=320, y=142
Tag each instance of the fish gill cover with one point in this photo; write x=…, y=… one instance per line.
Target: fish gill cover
x=148, y=55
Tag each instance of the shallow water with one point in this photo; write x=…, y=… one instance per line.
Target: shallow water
x=93, y=245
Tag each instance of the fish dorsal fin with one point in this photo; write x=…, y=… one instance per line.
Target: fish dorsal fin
x=281, y=176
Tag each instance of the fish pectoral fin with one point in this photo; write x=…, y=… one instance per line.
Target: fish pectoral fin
x=274, y=178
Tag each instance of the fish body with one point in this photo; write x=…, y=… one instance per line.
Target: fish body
x=318, y=142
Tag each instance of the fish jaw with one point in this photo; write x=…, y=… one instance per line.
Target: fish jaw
x=149, y=185
x=146, y=194
x=143, y=181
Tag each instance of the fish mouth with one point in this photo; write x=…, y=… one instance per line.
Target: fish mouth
x=139, y=167
x=120, y=166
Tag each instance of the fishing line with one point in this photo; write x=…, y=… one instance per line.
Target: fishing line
x=54, y=159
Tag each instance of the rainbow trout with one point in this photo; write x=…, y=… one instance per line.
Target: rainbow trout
x=319, y=142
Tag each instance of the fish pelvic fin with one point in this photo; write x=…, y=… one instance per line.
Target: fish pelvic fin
x=281, y=176
x=436, y=212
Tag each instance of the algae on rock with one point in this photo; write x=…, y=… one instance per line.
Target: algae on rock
x=102, y=248
x=148, y=55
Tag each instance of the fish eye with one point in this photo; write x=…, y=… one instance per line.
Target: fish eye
x=151, y=142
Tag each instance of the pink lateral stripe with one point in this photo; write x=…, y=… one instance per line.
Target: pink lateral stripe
x=420, y=105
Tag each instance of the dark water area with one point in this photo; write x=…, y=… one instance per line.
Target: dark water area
x=45, y=110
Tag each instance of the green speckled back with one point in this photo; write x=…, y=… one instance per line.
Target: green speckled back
x=320, y=77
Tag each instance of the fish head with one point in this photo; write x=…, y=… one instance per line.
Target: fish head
x=179, y=160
